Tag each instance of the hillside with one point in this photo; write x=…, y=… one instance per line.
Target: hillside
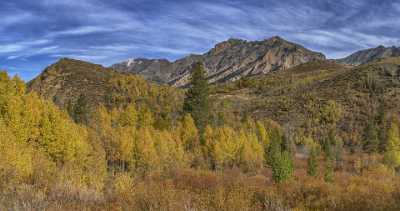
x=227, y=61
x=71, y=82
x=288, y=97
x=369, y=55
x=292, y=97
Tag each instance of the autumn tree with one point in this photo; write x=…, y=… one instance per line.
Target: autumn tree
x=189, y=133
x=392, y=154
x=37, y=138
x=252, y=151
x=227, y=148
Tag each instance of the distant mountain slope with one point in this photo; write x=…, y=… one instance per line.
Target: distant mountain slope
x=227, y=61
x=291, y=97
x=369, y=55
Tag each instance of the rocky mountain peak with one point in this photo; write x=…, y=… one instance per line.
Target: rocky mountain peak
x=220, y=47
x=276, y=39
x=369, y=55
x=229, y=60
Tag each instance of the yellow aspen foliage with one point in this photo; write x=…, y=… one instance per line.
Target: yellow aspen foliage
x=252, y=153
x=124, y=186
x=128, y=117
x=34, y=130
x=19, y=86
x=209, y=137
x=227, y=147
x=204, y=156
x=262, y=134
x=170, y=151
x=189, y=133
x=15, y=158
x=125, y=144
x=146, y=118
x=145, y=157
x=392, y=154
x=102, y=124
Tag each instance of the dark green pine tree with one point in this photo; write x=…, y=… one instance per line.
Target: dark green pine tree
x=312, y=162
x=329, y=169
x=329, y=161
x=371, y=138
x=197, y=98
x=80, y=110
x=279, y=159
x=284, y=167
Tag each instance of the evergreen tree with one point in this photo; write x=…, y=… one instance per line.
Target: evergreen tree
x=280, y=160
x=283, y=168
x=329, y=152
x=329, y=169
x=80, y=110
x=274, y=149
x=371, y=138
x=196, y=101
x=312, y=161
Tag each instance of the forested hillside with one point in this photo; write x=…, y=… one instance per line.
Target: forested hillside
x=307, y=97
x=80, y=87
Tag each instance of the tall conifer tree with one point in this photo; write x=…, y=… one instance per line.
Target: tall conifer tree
x=197, y=98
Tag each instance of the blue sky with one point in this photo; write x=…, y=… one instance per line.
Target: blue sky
x=36, y=33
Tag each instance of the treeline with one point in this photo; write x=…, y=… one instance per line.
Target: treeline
x=130, y=138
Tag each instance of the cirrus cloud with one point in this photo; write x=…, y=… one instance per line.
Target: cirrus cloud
x=36, y=33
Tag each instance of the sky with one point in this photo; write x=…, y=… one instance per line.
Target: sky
x=36, y=33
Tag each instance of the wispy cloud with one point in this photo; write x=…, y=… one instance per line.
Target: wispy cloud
x=34, y=52
x=20, y=46
x=103, y=31
x=81, y=31
x=80, y=56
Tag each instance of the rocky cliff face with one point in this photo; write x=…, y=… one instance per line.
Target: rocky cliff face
x=227, y=61
x=369, y=55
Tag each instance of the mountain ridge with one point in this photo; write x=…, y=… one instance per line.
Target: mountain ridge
x=227, y=61
x=370, y=55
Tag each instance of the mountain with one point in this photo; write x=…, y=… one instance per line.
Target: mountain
x=70, y=83
x=369, y=55
x=227, y=61
x=149, y=68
